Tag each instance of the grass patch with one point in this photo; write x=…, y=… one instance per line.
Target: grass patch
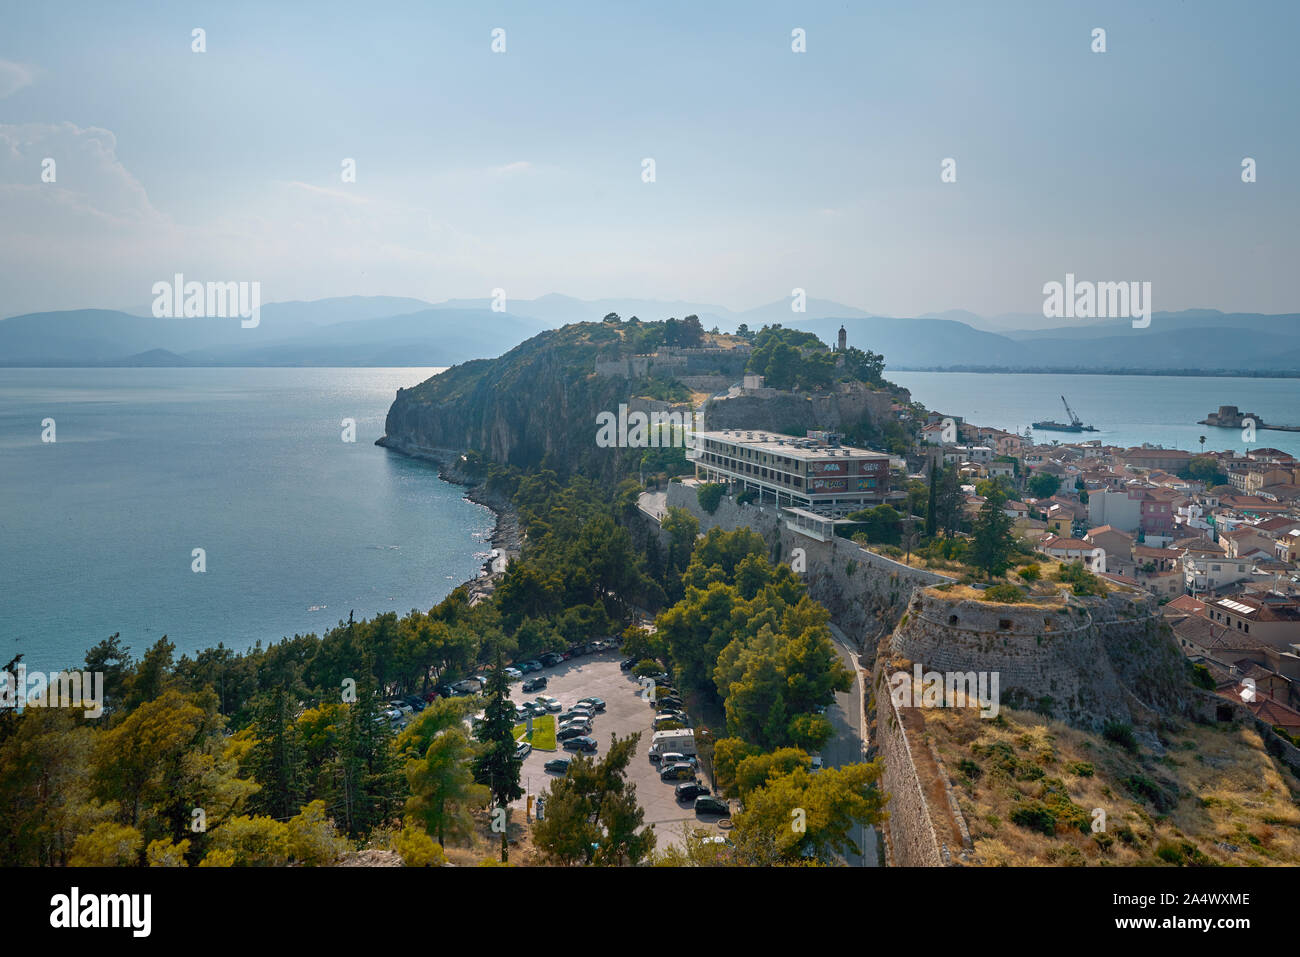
x=543, y=736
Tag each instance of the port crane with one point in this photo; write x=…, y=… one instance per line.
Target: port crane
x=1074, y=419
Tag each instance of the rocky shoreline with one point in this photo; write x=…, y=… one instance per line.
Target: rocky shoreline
x=507, y=537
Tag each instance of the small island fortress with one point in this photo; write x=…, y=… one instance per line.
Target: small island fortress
x=1229, y=417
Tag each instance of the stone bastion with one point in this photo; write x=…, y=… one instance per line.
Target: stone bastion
x=1084, y=660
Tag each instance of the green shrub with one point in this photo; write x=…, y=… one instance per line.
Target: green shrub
x=1031, y=573
x=710, y=495
x=1007, y=593
x=1162, y=798
x=646, y=667
x=1117, y=732
x=1035, y=816
x=1182, y=854
x=1083, y=769
x=1028, y=772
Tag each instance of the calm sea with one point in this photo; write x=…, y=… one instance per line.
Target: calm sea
x=1128, y=410
x=97, y=530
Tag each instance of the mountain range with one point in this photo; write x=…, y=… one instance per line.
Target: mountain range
x=390, y=331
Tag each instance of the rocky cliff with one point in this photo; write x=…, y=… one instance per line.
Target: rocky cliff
x=534, y=406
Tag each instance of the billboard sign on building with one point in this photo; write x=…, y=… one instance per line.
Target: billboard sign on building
x=829, y=485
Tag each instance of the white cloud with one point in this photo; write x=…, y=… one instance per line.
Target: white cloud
x=13, y=77
x=341, y=194
x=511, y=169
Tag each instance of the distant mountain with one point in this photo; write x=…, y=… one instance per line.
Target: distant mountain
x=392, y=331
x=780, y=312
x=157, y=358
x=556, y=310
x=1248, y=344
x=433, y=337
x=288, y=334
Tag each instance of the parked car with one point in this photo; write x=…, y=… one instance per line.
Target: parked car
x=707, y=804
x=689, y=790
x=534, y=684
x=532, y=664
x=571, y=732
x=535, y=709
x=549, y=703
x=416, y=702
x=513, y=673
x=671, y=703
x=680, y=771
x=596, y=704
x=445, y=691
x=816, y=763
x=576, y=712
x=627, y=664
x=521, y=713
x=557, y=766
x=582, y=727
x=550, y=659
x=522, y=749
x=674, y=757
x=580, y=744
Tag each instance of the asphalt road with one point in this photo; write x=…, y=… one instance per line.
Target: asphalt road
x=849, y=742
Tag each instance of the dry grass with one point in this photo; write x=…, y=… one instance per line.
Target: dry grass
x=1214, y=796
x=485, y=845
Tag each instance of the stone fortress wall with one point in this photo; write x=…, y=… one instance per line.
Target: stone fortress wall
x=1097, y=659
x=1086, y=661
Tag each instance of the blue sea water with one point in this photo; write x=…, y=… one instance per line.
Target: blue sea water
x=97, y=529
x=1126, y=409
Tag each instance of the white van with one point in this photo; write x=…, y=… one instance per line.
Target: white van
x=678, y=740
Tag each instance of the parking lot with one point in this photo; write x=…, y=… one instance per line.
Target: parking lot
x=598, y=675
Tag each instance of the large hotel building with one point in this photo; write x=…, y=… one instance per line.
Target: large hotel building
x=815, y=473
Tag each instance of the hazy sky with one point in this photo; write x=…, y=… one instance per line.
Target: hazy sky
x=774, y=169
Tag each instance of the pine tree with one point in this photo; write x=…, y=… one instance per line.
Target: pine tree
x=991, y=547
x=370, y=785
x=932, y=502
x=276, y=759
x=497, y=765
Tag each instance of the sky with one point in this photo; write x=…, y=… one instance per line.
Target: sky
x=774, y=170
